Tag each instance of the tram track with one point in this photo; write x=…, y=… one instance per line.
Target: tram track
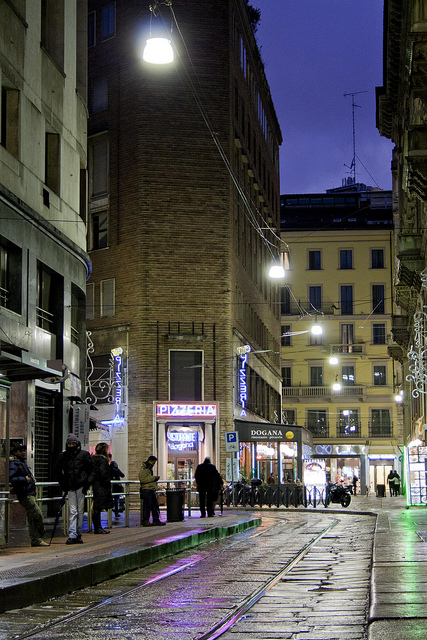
x=220, y=627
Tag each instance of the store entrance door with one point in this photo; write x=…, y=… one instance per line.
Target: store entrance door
x=378, y=475
x=182, y=468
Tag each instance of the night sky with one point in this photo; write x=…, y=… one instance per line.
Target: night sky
x=315, y=51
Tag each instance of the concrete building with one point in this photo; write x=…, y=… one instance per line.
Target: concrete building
x=401, y=116
x=43, y=263
x=183, y=207
x=340, y=259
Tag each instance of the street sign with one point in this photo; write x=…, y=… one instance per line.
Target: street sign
x=231, y=472
x=232, y=442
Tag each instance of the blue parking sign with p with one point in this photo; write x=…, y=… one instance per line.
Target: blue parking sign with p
x=231, y=441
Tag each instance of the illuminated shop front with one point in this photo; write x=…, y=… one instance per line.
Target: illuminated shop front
x=275, y=450
x=185, y=433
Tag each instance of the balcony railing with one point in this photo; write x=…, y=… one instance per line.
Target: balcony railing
x=319, y=430
x=345, y=430
x=380, y=430
x=311, y=392
x=296, y=309
x=359, y=348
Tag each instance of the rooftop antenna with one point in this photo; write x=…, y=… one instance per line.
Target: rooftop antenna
x=352, y=167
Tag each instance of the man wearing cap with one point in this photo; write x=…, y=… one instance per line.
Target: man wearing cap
x=24, y=486
x=74, y=472
x=148, y=493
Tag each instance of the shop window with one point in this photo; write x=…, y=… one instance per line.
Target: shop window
x=108, y=303
x=52, y=161
x=314, y=260
x=185, y=375
x=346, y=300
x=380, y=376
x=52, y=30
x=10, y=276
x=317, y=422
x=346, y=259
x=380, y=424
x=378, y=333
x=377, y=258
x=9, y=128
x=378, y=302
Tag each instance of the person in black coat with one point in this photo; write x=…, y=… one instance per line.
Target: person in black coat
x=209, y=483
x=74, y=472
x=24, y=486
x=116, y=474
x=101, y=486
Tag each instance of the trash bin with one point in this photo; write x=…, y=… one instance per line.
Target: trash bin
x=380, y=490
x=175, y=504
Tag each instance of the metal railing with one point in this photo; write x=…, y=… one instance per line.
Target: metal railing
x=325, y=391
x=286, y=495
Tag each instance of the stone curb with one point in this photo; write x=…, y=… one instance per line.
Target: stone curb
x=86, y=572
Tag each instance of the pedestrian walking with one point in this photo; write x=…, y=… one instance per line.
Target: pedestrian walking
x=116, y=474
x=209, y=482
x=270, y=479
x=101, y=486
x=390, y=480
x=24, y=486
x=74, y=472
x=396, y=484
x=147, y=493
x=355, y=481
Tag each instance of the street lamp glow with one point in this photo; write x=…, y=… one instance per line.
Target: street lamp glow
x=276, y=271
x=336, y=386
x=398, y=398
x=333, y=360
x=316, y=330
x=158, y=51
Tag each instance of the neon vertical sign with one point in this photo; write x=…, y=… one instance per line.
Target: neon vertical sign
x=242, y=352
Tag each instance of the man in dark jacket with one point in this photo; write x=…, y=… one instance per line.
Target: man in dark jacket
x=24, y=485
x=148, y=493
x=74, y=472
x=209, y=483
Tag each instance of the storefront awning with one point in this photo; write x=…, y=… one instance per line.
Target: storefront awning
x=17, y=364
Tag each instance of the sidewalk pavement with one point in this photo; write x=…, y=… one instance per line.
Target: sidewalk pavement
x=397, y=611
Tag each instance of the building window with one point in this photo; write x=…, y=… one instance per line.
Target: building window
x=9, y=128
x=286, y=338
x=314, y=260
x=378, y=333
x=108, y=21
x=288, y=416
x=380, y=423
x=285, y=301
x=98, y=166
x=316, y=376
x=317, y=422
x=77, y=314
x=108, y=303
x=347, y=337
x=348, y=423
x=52, y=30
x=99, y=97
x=347, y=373
x=346, y=300
x=286, y=376
x=346, y=259
x=90, y=301
x=378, y=303
x=52, y=161
x=99, y=230
x=380, y=376
x=315, y=298
x=10, y=276
x=185, y=375
x=377, y=258
x=50, y=299
x=91, y=29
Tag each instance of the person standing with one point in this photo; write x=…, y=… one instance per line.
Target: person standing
x=101, y=486
x=74, y=472
x=355, y=481
x=116, y=474
x=390, y=480
x=396, y=484
x=147, y=493
x=24, y=486
x=208, y=482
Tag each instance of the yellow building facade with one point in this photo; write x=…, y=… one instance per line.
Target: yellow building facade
x=341, y=385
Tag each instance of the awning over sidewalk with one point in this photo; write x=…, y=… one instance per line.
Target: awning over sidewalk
x=18, y=364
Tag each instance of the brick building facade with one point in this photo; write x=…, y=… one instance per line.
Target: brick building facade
x=183, y=200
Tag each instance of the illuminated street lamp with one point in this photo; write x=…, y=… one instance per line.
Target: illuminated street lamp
x=158, y=50
x=336, y=386
x=333, y=360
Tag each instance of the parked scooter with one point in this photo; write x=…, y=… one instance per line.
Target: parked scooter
x=338, y=494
